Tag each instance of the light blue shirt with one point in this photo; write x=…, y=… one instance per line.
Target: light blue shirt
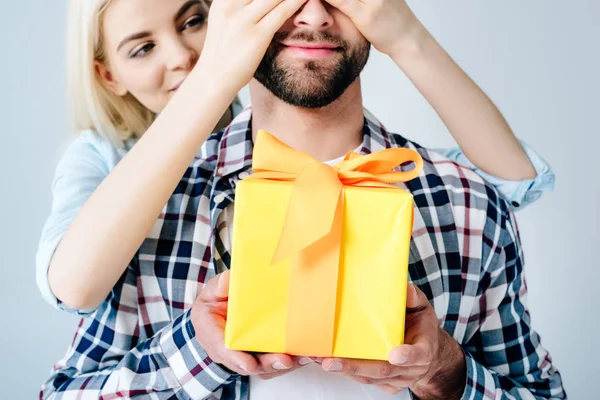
x=90, y=158
x=519, y=194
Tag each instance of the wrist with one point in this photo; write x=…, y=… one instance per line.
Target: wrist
x=410, y=40
x=199, y=103
x=446, y=378
x=213, y=80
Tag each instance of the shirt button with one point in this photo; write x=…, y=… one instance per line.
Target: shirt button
x=219, y=198
x=515, y=204
x=244, y=175
x=222, y=171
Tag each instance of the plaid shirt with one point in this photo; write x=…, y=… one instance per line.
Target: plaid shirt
x=465, y=256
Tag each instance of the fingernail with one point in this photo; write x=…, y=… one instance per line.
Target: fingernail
x=334, y=366
x=304, y=361
x=399, y=359
x=413, y=289
x=243, y=368
x=278, y=365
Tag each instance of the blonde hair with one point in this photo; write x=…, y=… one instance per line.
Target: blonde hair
x=92, y=105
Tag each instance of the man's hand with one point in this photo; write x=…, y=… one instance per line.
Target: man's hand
x=430, y=362
x=387, y=24
x=209, y=314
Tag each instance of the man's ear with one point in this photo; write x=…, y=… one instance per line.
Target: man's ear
x=108, y=79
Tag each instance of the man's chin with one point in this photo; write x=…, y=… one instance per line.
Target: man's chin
x=307, y=83
x=310, y=76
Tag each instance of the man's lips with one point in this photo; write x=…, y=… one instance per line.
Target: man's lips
x=310, y=45
x=311, y=50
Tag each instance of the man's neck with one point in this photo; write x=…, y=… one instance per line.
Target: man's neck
x=324, y=133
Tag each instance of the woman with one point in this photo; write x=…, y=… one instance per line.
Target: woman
x=149, y=83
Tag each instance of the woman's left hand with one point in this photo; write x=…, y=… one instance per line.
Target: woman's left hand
x=385, y=23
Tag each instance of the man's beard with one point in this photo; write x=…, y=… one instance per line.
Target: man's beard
x=317, y=83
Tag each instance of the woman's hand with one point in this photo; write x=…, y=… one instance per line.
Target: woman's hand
x=239, y=33
x=387, y=24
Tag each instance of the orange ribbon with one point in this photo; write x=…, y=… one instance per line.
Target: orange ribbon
x=312, y=230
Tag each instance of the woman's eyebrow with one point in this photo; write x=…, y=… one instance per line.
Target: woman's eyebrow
x=185, y=8
x=135, y=36
x=140, y=35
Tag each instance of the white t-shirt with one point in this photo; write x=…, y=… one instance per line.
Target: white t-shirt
x=311, y=382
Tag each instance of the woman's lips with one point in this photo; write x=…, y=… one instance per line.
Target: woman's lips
x=174, y=89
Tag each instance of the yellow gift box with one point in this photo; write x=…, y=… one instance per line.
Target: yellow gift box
x=320, y=254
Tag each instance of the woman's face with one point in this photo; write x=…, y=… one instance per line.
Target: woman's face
x=151, y=46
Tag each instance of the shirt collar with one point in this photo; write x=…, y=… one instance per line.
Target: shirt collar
x=235, y=147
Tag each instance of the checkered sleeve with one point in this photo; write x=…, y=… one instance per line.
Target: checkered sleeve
x=504, y=357
x=170, y=365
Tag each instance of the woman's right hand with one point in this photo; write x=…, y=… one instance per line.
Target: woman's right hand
x=239, y=33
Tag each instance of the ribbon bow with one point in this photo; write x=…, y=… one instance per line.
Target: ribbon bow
x=318, y=186
x=312, y=229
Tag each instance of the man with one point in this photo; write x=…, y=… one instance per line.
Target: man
x=468, y=333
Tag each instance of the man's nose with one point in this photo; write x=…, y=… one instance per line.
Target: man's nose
x=314, y=15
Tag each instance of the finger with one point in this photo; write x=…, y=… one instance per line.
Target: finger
x=420, y=346
x=389, y=389
x=238, y=361
x=352, y=8
x=364, y=368
x=305, y=361
x=216, y=289
x=257, y=9
x=219, y=311
x=416, y=301
x=275, y=363
x=420, y=354
x=422, y=332
x=281, y=13
x=399, y=381
x=235, y=3
x=214, y=344
x=298, y=362
x=209, y=323
x=266, y=377
x=412, y=372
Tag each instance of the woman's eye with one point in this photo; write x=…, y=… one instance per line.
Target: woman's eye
x=142, y=51
x=196, y=20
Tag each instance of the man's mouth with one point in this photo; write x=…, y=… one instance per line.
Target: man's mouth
x=311, y=50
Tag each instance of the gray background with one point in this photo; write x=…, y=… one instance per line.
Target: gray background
x=537, y=59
